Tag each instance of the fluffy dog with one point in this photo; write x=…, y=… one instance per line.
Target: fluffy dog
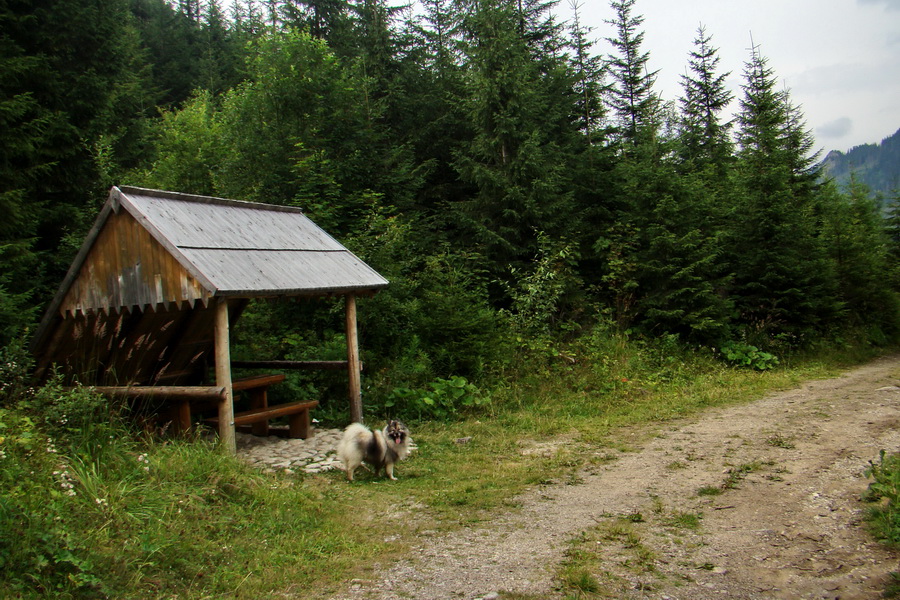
x=378, y=448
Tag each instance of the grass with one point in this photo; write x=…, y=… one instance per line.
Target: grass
x=602, y=561
x=883, y=513
x=779, y=441
x=685, y=520
x=90, y=510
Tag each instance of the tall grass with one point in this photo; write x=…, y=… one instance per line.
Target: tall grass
x=103, y=513
x=89, y=508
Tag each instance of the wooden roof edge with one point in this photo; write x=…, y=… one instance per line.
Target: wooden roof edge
x=139, y=191
x=365, y=290
x=128, y=309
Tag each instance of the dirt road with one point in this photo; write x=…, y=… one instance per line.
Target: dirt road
x=754, y=501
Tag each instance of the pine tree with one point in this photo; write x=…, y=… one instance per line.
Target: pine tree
x=171, y=41
x=426, y=111
x=892, y=227
x=664, y=269
x=440, y=38
x=248, y=22
x=326, y=19
x=220, y=53
x=589, y=72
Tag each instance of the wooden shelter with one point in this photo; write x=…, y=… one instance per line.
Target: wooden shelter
x=146, y=307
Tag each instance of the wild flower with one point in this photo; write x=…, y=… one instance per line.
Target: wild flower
x=146, y=461
x=66, y=482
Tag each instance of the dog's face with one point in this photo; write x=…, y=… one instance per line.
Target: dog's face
x=396, y=432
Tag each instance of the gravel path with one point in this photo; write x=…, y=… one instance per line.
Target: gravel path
x=788, y=527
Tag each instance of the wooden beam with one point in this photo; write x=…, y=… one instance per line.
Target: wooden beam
x=167, y=392
x=325, y=365
x=223, y=378
x=353, y=369
x=256, y=381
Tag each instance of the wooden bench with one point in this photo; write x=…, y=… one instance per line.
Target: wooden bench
x=261, y=413
x=296, y=412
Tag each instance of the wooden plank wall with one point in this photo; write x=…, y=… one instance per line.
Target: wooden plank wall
x=126, y=269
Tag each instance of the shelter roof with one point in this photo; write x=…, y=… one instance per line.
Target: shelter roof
x=152, y=254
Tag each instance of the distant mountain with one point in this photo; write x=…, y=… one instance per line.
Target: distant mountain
x=878, y=166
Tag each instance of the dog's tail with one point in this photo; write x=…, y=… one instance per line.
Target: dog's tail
x=355, y=442
x=355, y=430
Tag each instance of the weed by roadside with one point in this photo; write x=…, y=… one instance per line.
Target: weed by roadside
x=617, y=555
x=883, y=514
x=779, y=441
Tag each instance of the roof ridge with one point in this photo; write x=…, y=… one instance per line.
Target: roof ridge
x=200, y=199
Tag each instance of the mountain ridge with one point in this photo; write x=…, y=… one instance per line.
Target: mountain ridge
x=876, y=165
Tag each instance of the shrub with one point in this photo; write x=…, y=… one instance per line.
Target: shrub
x=445, y=399
x=745, y=355
x=41, y=548
x=884, y=518
x=15, y=363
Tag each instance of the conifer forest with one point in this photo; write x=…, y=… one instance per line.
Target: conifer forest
x=518, y=188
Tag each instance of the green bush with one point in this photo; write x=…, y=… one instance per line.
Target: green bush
x=884, y=517
x=42, y=550
x=15, y=364
x=745, y=355
x=445, y=399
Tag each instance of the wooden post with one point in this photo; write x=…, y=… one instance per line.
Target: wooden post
x=353, y=361
x=183, y=420
x=223, y=377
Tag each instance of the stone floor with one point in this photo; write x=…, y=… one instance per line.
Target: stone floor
x=273, y=453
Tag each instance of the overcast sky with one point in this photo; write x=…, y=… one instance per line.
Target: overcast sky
x=840, y=59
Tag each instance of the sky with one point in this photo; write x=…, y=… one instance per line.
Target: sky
x=838, y=59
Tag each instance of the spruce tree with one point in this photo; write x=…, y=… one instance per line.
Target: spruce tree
x=589, y=72
x=859, y=247
x=70, y=87
x=664, y=270
x=426, y=111
x=630, y=95
x=704, y=139
x=515, y=162
x=782, y=285
x=892, y=227
x=171, y=41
